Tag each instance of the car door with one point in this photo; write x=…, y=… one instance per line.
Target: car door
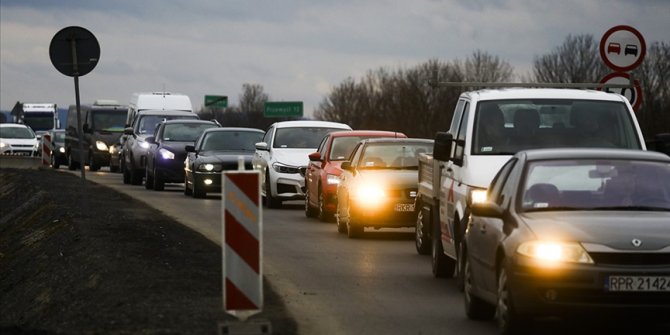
x=314, y=171
x=262, y=157
x=485, y=233
x=346, y=179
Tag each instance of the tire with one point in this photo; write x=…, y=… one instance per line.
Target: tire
x=310, y=212
x=91, y=163
x=113, y=168
x=149, y=180
x=135, y=175
x=159, y=182
x=270, y=201
x=443, y=266
x=323, y=214
x=54, y=162
x=126, y=175
x=475, y=307
x=187, y=191
x=71, y=165
x=509, y=321
x=341, y=223
x=422, y=240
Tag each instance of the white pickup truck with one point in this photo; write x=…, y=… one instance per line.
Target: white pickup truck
x=487, y=128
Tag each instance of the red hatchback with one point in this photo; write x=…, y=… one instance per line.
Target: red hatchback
x=323, y=171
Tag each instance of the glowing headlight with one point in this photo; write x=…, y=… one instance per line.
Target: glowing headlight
x=3, y=145
x=281, y=168
x=209, y=167
x=144, y=145
x=369, y=195
x=332, y=179
x=554, y=252
x=478, y=196
x=166, y=154
x=61, y=149
x=100, y=145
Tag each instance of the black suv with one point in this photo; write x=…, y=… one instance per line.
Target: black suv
x=167, y=150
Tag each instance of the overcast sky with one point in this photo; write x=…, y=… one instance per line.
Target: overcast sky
x=296, y=49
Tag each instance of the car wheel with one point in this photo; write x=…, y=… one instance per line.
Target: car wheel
x=187, y=190
x=421, y=237
x=309, y=210
x=126, y=175
x=113, y=168
x=54, y=162
x=354, y=230
x=509, y=321
x=71, y=164
x=323, y=214
x=148, y=179
x=135, y=175
x=443, y=266
x=270, y=201
x=159, y=182
x=475, y=308
x=341, y=223
x=91, y=163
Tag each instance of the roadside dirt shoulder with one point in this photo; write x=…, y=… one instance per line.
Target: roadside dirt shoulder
x=105, y=263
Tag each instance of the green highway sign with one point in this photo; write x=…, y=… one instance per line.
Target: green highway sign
x=283, y=108
x=216, y=101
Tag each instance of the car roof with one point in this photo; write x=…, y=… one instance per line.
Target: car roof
x=310, y=123
x=398, y=140
x=591, y=153
x=351, y=133
x=541, y=93
x=15, y=125
x=189, y=121
x=165, y=112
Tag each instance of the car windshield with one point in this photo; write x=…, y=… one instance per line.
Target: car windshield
x=16, y=132
x=147, y=123
x=59, y=136
x=342, y=146
x=597, y=185
x=231, y=141
x=508, y=126
x=393, y=155
x=300, y=137
x=109, y=120
x=184, y=132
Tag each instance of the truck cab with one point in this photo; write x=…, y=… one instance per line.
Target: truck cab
x=487, y=128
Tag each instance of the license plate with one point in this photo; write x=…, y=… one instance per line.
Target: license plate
x=404, y=207
x=639, y=283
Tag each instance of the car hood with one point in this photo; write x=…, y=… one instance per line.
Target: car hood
x=223, y=156
x=292, y=157
x=20, y=141
x=176, y=146
x=395, y=178
x=613, y=229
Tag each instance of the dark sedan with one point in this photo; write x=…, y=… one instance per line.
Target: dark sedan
x=57, y=156
x=167, y=151
x=378, y=184
x=570, y=232
x=217, y=150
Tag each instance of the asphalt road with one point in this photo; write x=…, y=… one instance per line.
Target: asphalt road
x=331, y=284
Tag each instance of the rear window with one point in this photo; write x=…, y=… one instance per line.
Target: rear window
x=509, y=126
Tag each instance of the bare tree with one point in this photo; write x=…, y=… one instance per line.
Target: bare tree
x=654, y=74
x=577, y=60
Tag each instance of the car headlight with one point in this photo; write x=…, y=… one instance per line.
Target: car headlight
x=3, y=145
x=332, y=179
x=166, y=154
x=478, y=196
x=552, y=252
x=62, y=150
x=370, y=194
x=210, y=167
x=143, y=144
x=281, y=168
x=100, y=145
x=112, y=149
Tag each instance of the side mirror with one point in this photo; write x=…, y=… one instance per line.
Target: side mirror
x=128, y=131
x=315, y=157
x=189, y=148
x=150, y=140
x=487, y=209
x=442, y=146
x=346, y=165
x=262, y=146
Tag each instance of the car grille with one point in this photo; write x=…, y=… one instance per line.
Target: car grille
x=631, y=259
x=233, y=166
x=303, y=170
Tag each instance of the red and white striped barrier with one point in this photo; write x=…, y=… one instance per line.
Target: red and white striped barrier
x=46, y=147
x=242, y=243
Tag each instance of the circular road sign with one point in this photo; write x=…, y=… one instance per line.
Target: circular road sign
x=633, y=94
x=622, y=48
x=74, y=51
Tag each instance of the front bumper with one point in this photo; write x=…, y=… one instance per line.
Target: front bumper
x=171, y=170
x=575, y=289
x=392, y=213
x=208, y=181
x=288, y=186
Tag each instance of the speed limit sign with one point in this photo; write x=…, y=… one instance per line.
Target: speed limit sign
x=633, y=94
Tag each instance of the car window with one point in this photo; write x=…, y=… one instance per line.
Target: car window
x=342, y=146
x=147, y=124
x=596, y=184
x=300, y=137
x=495, y=190
x=184, y=132
x=231, y=141
x=108, y=120
x=396, y=155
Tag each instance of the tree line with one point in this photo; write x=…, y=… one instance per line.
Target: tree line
x=412, y=100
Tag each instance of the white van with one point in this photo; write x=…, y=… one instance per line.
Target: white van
x=157, y=101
